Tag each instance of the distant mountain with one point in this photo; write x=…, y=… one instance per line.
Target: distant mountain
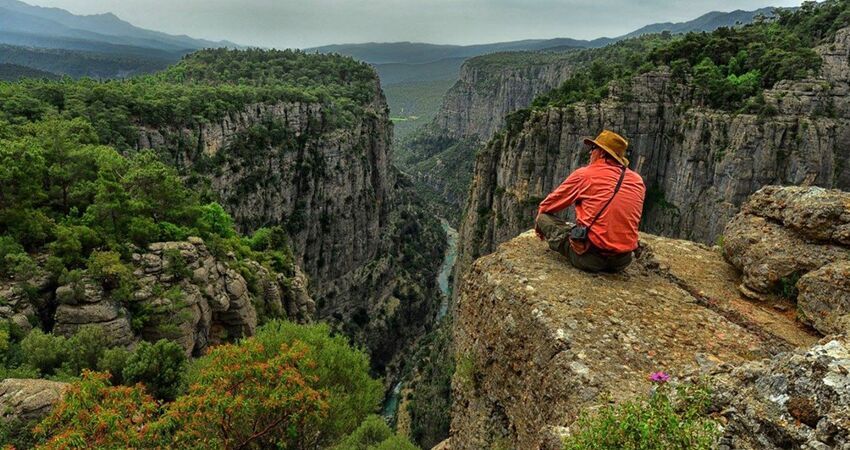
x=706, y=22
x=419, y=53
x=81, y=63
x=22, y=18
x=99, y=46
x=379, y=53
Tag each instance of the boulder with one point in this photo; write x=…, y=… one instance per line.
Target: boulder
x=793, y=241
x=824, y=298
x=28, y=399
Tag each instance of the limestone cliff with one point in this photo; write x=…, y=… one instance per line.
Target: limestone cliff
x=328, y=179
x=538, y=342
x=441, y=155
x=492, y=86
x=699, y=164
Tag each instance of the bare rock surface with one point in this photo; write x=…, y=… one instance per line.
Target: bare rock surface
x=799, y=399
x=538, y=341
x=28, y=399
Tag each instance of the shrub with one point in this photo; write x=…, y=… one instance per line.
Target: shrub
x=240, y=398
x=161, y=367
x=215, y=220
x=175, y=264
x=107, y=268
x=84, y=349
x=113, y=361
x=94, y=414
x=43, y=351
x=671, y=418
x=341, y=371
x=374, y=434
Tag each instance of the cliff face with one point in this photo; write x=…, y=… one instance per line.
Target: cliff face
x=327, y=178
x=477, y=104
x=490, y=87
x=699, y=165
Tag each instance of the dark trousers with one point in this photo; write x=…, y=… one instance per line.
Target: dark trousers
x=557, y=235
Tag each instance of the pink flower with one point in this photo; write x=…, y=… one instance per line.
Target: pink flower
x=659, y=377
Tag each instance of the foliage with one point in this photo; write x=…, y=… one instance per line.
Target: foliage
x=240, y=398
x=374, y=434
x=93, y=414
x=787, y=286
x=112, y=361
x=83, y=350
x=340, y=371
x=430, y=402
x=670, y=419
x=160, y=367
x=43, y=351
x=729, y=66
x=288, y=387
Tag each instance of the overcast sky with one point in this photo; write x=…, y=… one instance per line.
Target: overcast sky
x=305, y=23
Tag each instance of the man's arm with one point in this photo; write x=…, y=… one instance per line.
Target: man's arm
x=565, y=195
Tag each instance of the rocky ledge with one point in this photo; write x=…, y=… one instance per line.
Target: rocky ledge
x=538, y=342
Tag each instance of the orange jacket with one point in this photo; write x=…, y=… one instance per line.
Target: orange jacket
x=589, y=188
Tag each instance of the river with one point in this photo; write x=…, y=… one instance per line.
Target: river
x=443, y=280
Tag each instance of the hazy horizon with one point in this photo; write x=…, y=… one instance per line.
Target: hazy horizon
x=300, y=24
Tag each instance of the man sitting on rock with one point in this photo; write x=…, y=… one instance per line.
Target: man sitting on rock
x=608, y=197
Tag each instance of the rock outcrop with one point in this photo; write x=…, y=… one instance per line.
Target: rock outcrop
x=699, y=164
x=538, y=342
x=27, y=400
x=796, y=400
x=795, y=242
x=184, y=294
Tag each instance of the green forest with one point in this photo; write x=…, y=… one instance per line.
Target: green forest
x=77, y=199
x=729, y=68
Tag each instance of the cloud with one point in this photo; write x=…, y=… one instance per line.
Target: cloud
x=304, y=23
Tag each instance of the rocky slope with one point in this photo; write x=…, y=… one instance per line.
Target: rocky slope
x=699, y=164
x=329, y=181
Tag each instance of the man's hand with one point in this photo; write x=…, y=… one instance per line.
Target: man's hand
x=537, y=231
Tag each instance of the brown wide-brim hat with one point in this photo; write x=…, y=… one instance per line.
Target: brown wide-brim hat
x=614, y=144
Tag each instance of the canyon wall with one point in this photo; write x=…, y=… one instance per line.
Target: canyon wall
x=699, y=165
x=441, y=155
x=356, y=227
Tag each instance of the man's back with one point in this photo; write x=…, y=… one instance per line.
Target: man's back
x=616, y=230
x=589, y=188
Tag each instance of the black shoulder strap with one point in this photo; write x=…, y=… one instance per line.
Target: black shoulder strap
x=616, y=189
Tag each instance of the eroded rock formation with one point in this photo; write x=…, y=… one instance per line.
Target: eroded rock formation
x=795, y=242
x=26, y=400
